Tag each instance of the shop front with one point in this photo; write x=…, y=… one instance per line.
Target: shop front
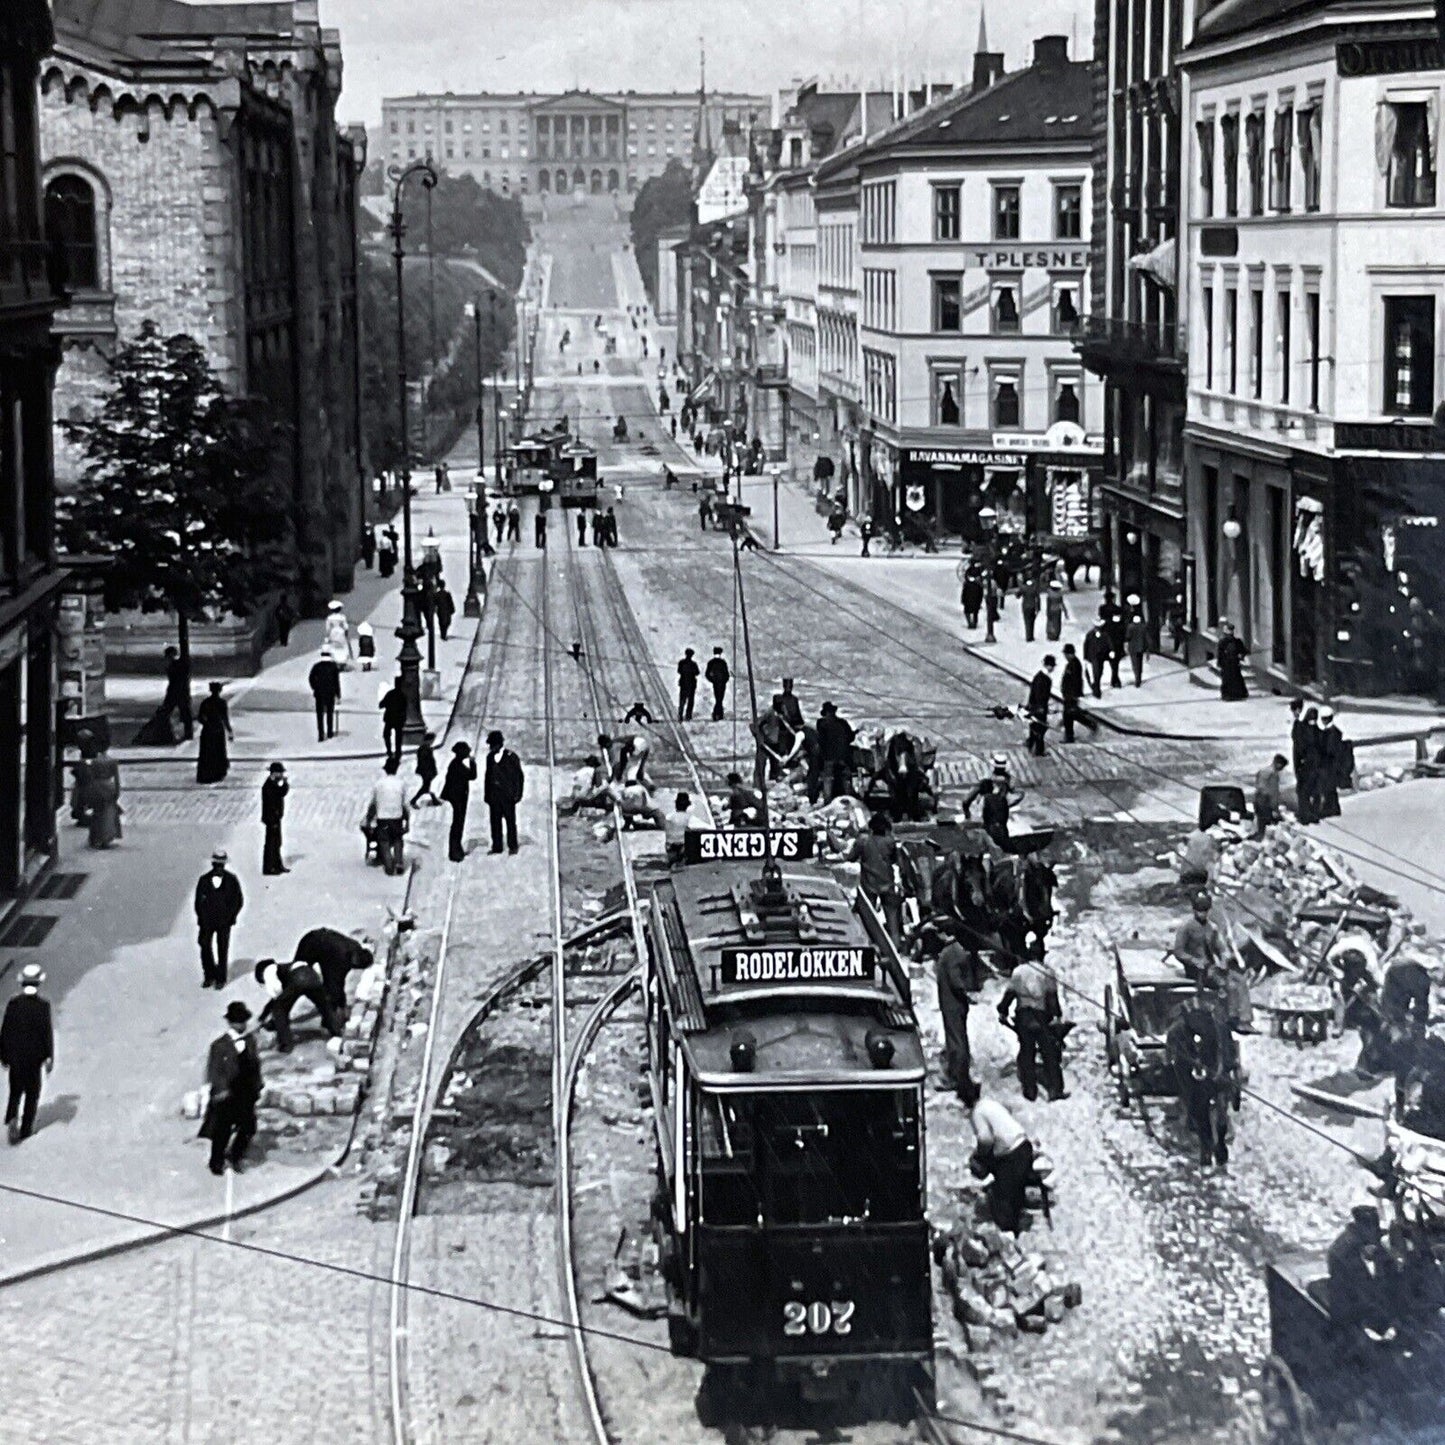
x=1144, y=556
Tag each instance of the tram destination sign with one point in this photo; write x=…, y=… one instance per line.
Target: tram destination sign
x=719, y=845
x=796, y=964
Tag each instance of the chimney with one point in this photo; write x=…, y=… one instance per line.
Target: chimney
x=987, y=68
x=1051, y=52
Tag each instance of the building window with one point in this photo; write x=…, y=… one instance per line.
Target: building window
x=945, y=213
x=1004, y=388
x=1204, y=130
x=1281, y=158
x=1231, y=336
x=1256, y=343
x=1410, y=355
x=394, y=127
x=502, y=127
x=1066, y=405
x=1403, y=151
x=1206, y=310
x=1312, y=339
x=1308, y=125
x=1254, y=157
x=70, y=225
x=1005, y=213
x=411, y=127
x=1286, y=356
x=1229, y=130
x=447, y=127
x=947, y=396
x=1066, y=307
x=947, y=308
x=486, y=153
x=466, y=151
x=1068, y=212
x=1005, y=305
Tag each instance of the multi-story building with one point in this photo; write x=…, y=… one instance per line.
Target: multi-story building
x=968, y=266
x=195, y=175
x=1314, y=272
x=530, y=144
x=1132, y=336
x=30, y=579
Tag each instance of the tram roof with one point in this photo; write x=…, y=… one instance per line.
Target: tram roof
x=723, y=954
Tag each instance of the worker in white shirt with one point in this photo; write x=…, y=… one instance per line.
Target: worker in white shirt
x=388, y=812
x=287, y=984
x=676, y=824
x=1003, y=1153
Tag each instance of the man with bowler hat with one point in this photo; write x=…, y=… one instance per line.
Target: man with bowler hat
x=233, y=1072
x=457, y=790
x=273, y=810
x=502, y=791
x=218, y=904
x=27, y=1045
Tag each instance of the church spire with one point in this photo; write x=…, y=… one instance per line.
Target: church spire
x=982, y=47
x=702, y=153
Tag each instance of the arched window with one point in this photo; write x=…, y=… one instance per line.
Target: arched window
x=70, y=225
x=596, y=183
x=579, y=179
x=613, y=181
x=544, y=180
x=561, y=185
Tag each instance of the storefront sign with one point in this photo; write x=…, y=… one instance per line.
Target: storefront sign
x=1065, y=258
x=796, y=965
x=915, y=498
x=714, y=845
x=960, y=457
x=1387, y=436
x=1388, y=57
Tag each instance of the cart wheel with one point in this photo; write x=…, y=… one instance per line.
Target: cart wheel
x=1111, y=1028
x=1289, y=1416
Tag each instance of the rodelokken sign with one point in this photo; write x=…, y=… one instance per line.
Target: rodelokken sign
x=718, y=845
x=796, y=964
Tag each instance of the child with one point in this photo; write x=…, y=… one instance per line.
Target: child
x=426, y=769
x=366, y=645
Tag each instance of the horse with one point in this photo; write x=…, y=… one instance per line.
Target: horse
x=1199, y=1050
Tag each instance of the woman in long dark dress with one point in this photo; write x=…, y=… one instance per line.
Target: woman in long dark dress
x=212, y=762
x=103, y=794
x=1231, y=666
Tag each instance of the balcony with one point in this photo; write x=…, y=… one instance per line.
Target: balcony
x=771, y=373
x=1109, y=343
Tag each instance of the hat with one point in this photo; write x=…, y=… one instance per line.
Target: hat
x=1201, y=900
x=325, y=651
x=237, y=1013
x=1327, y=714
x=219, y=855
x=494, y=738
x=1132, y=599
x=333, y=606
x=1000, y=762
x=262, y=964
x=278, y=767
x=32, y=976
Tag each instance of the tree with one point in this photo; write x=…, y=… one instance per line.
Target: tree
x=664, y=203
x=179, y=491
x=467, y=220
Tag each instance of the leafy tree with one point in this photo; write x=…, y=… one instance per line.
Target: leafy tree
x=179, y=491
x=467, y=220
x=664, y=203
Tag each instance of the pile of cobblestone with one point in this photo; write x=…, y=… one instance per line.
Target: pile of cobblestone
x=998, y=1288
x=836, y=823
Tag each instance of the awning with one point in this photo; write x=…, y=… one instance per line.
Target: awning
x=1161, y=265
x=702, y=388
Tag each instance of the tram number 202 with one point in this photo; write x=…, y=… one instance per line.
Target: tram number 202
x=817, y=1317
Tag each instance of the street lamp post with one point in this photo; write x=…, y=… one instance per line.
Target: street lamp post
x=777, y=540
x=496, y=400
x=409, y=658
x=476, y=519
x=988, y=521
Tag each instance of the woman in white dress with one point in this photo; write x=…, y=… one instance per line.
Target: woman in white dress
x=338, y=635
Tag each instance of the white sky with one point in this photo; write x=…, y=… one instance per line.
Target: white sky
x=393, y=47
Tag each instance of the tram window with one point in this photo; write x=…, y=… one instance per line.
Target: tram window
x=808, y=1159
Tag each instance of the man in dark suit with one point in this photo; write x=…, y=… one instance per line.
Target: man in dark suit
x=457, y=790
x=502, y=791
x=687, y=675
x=336, y=954
x=273, y=810
x=393, y=718
x=718, y=675
x=1071, y=687
x=218, y=905
x=1041, y=693
x=27, y=1045
x=233, y=1071
x=325, y=681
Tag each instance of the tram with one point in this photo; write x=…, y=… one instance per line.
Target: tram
x=574, y=471
x=528, y=467
x=787, y=1079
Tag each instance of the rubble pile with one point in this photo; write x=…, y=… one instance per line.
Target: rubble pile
x=1382, y=778
x=998, y=1288
x=837, y=823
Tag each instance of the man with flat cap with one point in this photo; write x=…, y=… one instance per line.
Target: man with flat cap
x=287, y=984
x=502, y=791
x=218, y=903
x=233, y=1074
x=27, y=1045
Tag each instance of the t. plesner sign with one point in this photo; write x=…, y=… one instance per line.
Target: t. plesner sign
x=716, y=845
x=795, y=964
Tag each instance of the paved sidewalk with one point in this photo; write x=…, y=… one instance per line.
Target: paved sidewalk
x=1175, y=701
x=132, y=1022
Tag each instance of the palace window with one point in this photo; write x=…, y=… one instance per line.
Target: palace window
x=1308, y=126
x=1281, y=158
x=1204, y=130
x=1282, y=342
x=1254, y=155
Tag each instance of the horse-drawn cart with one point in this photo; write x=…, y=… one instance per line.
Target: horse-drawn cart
x=1164, y=1037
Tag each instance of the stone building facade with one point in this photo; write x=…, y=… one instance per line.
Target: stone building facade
x=194, y=174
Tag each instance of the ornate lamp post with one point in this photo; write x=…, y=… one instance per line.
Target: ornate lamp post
x=476, y=525
x=409, y=659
